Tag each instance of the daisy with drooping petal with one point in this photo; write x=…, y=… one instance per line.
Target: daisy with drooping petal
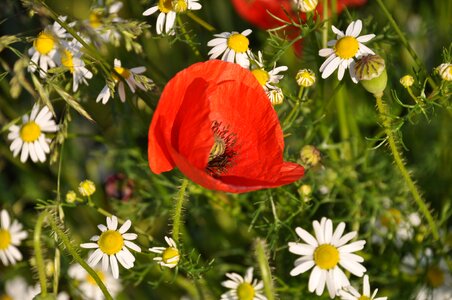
x=326, y=252
x=305, y=78
x=350, y=293
x=30, y=138
x=243, y=287
x=112, y=246
x=445, y=71
x=128, y=76
x=306, y=5
x=276, y=96
x=344, y=49
x=233, y=46
x=267, y=79
x=88, y=287
x=11, y=235
x=71, y=58
x=170, y=255
x=44, y=50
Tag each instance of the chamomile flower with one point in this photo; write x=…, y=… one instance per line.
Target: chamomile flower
x=267, y=79
x=393, y=224
x=276, y=96
x=243, y=287
x=45, y=47
x=88, y=286
x=344, y=49
x=305, y=78
x=112, y=246
x=71, y=58
x=18, y=289
x=439, y=283
x=166, y=19
x=29, y=139
x=11, y=235
x=326, y=252
x=86, y=188
x=128, y=76
x=233, y=47
x=445, y=71
x=350, y=293
x=100, y=17
x=170, y=255
x=407, y=81
x=306, y=5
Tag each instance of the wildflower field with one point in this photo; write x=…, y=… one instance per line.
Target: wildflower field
x=216, y=149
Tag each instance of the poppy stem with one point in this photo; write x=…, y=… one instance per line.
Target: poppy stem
x=262, y=260
x=177, y=216
x=398, y=158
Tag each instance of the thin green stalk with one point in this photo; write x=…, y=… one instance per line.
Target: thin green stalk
x=38, y=253
x=262, y=260
x=325, y=24
x=178, y=210
x=201, y=21
x=188, y=38
x=343, y=123
x=63, y=237
x=383, y=110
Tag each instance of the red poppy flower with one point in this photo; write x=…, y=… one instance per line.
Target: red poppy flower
x=216, y=124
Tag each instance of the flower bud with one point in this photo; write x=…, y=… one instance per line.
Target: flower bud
x=86, y=188
x=310, y=156
x=305, y=78
x=306, y=5
x=445, y=71
x=370, y=70
x=71, y=197
x=407, y=81
x=305, y=191
x=276, y=96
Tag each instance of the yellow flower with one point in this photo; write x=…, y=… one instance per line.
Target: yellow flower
x=407, y=81
x=71, y=196
x=86, y=188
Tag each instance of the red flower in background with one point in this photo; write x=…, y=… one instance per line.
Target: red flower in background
x=216, y=124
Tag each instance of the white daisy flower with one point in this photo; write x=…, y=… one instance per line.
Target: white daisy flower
x=326, y=252
x=71, y=58
x=112, y=246
x=11, y=235
x=99, y=17
x=350, y=293
x=270, y=78
x=166, y=18
x=30, y=138
x=392, y=224
x=276, y=96
x=88, y=287
x=243, y=287
x=181, y=6
x=45, y=47
x=128, y=76
x=233, y=46
x=306, y=5
x=170, y=255
x=18, y=289
x=345, y=48
x=445, y=71
x=439, y=283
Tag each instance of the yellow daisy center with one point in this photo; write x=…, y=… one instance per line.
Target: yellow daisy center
x=238, y=42
x=66, y=60
x=363, y=298
x=435, y=276
x=261, y=75
x=44, y=43
x=346, y=47
x=6, y=297
x=91, y=280
x=245, y=291
x=391, y=217
x=5, y=239
x=95, y=19
x=326, y=256
x=165, y=6
x=180, y=5
x=121, y=71
x=170, y=256
x=30, y=132
x=110, y=242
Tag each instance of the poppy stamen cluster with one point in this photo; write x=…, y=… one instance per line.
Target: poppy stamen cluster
x=223, y=150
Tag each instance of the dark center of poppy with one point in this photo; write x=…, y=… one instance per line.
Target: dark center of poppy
x=223, y=150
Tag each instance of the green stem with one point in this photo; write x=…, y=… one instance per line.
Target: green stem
x=178, y=210
x=188, y=38
x=383, y=110
x=38, y=253
x=343, y=123
x=264, y=267
x=201, y=21
x=78, y=259
x=325, y=24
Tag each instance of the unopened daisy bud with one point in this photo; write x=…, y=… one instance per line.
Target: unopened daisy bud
x=305, y=78
x=371, y=71
x=445, y=71
x=180, y=5
x=306, y=5
x=407, y=81
x=276, y=96
x=305, y=191
x=310, y=156
x=71, y=196
x=86, y=188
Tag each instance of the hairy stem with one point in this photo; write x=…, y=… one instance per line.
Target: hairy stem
x=398, y=158
x=262, y=260
x=63, y=237
x=38, y=253
x=188, y=38
x=178, y=210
